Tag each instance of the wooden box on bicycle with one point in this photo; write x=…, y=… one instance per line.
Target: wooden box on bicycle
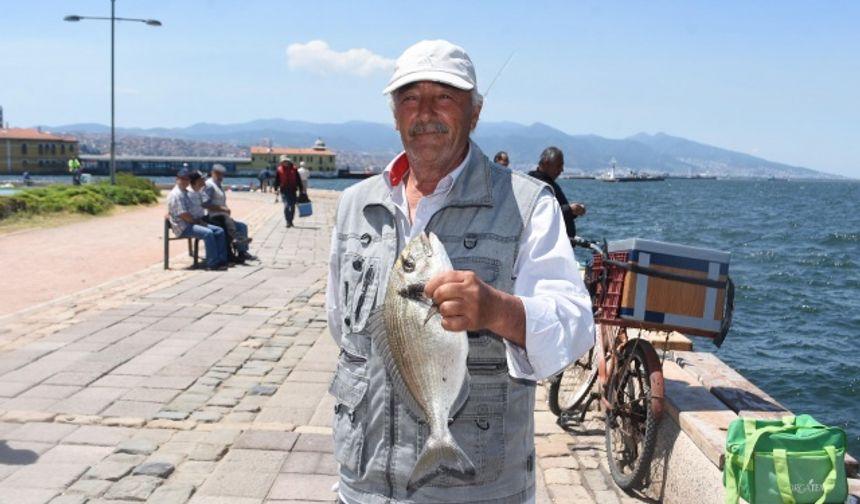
x=666, y=286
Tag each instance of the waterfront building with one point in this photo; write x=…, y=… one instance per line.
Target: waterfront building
x=31, y=150
x=159, y=165
x=319, y=160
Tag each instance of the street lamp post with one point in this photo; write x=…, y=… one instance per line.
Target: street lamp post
x=113, y=19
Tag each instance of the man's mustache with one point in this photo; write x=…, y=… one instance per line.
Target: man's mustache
x=427, y=127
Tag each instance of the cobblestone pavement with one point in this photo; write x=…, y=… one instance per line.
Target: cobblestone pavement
x=204, y=387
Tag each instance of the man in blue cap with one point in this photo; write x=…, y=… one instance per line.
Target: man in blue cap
x=186, y=226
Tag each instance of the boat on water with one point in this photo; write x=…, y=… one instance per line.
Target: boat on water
x=630, y=176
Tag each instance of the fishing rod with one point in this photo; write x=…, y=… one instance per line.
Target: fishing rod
x=760, y=238
x=487, y=91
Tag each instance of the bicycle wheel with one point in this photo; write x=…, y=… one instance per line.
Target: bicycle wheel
x=568, y=390
x=631, y=423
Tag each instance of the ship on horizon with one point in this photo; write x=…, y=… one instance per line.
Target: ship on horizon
x=630, y=176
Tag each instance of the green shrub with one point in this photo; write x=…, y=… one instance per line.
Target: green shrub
x=10, y=206
x=125, y=195
x=124, y=179
x=91, y=203
x=90, y=199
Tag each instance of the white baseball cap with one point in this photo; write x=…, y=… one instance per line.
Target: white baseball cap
x=433, y=60
x=218, y=167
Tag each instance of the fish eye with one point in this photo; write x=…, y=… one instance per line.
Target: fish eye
x=408, y=265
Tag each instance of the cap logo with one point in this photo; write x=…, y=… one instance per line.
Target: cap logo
x=425, y=62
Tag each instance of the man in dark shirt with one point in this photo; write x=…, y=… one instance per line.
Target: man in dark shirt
x=550, y=166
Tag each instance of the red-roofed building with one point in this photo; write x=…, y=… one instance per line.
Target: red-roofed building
x=319, y=160
x=31, y=150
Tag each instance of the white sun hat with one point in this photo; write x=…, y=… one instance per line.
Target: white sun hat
x=433, y=60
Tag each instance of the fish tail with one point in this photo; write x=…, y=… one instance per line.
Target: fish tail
x=439, y=451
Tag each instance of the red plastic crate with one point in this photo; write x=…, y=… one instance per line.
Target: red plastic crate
x=609, y=303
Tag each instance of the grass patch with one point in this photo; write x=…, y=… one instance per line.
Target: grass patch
x=91, y=199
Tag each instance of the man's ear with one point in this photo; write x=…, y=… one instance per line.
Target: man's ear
x=476, y=114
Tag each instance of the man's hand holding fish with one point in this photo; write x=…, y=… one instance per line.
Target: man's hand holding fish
x=467, y=303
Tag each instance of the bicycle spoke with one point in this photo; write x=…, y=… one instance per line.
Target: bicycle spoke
x=631, y=430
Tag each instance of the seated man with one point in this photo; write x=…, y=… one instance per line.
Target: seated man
x=215, y=203
x=179, y=207
x=197, y=196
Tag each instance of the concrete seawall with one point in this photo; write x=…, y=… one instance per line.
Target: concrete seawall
x=210, y=388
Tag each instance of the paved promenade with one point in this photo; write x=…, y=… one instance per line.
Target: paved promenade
x=49, y=262
x=204, y=387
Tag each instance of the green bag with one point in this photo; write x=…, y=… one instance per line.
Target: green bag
x=793, y=461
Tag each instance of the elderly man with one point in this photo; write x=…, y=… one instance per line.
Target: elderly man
x=516, y=291
x=185, y=225
x=195, y=196
x=550, y=166
x=215, y=203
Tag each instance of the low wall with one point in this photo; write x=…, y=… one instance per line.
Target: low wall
x=680, y=472
x=703, y=395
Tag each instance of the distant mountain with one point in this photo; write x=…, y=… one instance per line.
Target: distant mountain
x=707, y=159
x=582, y=153
x=588, y=154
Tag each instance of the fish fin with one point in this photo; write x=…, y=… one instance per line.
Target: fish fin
x=439, y=452
x=433, y=310
x=379, y=339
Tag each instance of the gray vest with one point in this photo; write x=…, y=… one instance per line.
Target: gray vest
x=376, y=437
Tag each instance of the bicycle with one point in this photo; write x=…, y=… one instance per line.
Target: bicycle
x=629, y=370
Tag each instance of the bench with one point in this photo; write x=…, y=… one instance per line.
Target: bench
x=193, y=245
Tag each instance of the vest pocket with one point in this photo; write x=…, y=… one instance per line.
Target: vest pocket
x=487, y=269
x=479, y=429
x=360, y=281
x=349, y=388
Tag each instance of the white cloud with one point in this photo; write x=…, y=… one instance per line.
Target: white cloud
x=318, y=57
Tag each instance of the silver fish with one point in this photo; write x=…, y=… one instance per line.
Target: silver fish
x=427, y=363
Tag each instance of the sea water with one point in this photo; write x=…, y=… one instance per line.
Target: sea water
x=796, y=264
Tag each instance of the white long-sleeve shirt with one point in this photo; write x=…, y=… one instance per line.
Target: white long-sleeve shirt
x=559, y=325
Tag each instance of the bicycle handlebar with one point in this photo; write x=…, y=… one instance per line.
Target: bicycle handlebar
x=578, y=241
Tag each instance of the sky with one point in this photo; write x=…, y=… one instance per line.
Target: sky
x=775, y=79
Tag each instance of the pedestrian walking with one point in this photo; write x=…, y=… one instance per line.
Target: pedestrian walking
x=304, y=174
x=289, y=185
